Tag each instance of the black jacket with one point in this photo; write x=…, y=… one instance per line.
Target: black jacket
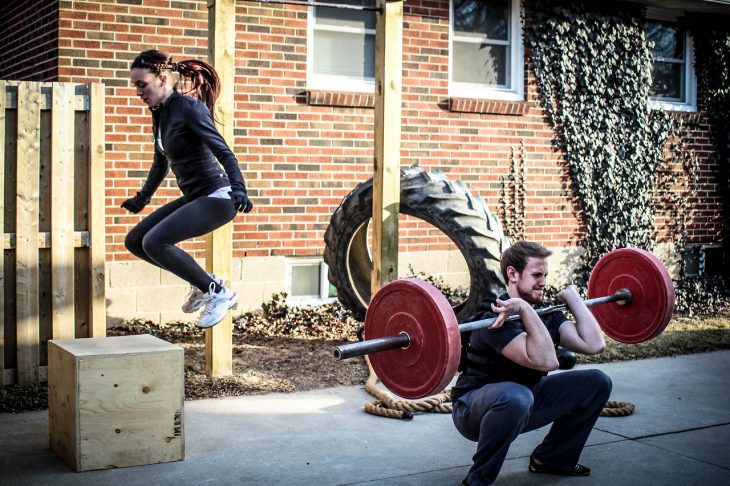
x=193, y=149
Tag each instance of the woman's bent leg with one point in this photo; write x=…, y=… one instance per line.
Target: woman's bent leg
x=134, y=238
x=193, y=219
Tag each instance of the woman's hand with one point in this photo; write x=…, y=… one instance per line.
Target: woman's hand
x=136, y=204
x=240, y=200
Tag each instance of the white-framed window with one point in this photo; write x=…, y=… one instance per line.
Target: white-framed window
x=341, y=48
x=306, y=281
x=673, y=83
x=486, y=49
x=703, y=259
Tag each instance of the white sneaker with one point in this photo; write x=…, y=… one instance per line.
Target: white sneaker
x=216, y=306
x=196, y=298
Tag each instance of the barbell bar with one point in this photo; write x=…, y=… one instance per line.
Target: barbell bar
x=414, y=340
x=403, y=340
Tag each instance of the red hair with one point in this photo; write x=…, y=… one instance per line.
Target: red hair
x=205, y=83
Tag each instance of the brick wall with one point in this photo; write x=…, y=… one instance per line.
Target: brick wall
x=301, y=152
x=29, y=40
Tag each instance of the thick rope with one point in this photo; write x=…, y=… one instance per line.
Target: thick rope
x=388, y=406
x=617, y=409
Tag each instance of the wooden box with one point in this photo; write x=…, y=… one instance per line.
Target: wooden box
x=115, y=401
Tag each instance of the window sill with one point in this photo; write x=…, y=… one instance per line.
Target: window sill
x=688, y=118
x=340, y=98
x=492, y=107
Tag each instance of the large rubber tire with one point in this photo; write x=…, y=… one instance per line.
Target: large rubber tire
x=432, y=197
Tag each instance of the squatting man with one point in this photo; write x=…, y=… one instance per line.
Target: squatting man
x=504, y=388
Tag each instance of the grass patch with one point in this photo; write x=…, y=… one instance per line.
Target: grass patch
x=683, y=335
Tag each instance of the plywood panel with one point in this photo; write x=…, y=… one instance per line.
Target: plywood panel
x=128, y=395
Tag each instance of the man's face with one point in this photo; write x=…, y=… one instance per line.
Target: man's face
x=530, y=283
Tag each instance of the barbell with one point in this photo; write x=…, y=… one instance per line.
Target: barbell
x=414, y=340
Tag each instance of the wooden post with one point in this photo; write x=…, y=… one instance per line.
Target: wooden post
x=2, y=225
x=386, y=176
x=219, y=248
x=26, y=244
x=97, y=234
x=62, y=211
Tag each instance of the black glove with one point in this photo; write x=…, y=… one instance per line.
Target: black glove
x=240, y=200
x=136, y=204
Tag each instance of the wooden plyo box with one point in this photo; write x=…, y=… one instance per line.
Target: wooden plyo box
x=115, y=401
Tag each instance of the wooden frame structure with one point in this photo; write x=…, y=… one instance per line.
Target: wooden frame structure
x=52, y=155
x=386, y=163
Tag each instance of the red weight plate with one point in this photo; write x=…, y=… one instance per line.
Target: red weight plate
x=430, y=362
x=651, y=286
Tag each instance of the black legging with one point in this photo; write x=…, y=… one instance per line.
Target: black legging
x=155, y=237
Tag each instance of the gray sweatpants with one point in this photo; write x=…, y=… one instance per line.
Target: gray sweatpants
x=495, y=414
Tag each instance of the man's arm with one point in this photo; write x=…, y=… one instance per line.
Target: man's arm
x=584, y=335
x=533, y=348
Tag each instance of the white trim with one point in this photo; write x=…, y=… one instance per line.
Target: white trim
x=290, y=263
x=690, y=78
x=698, y=251
x=516, y=90
x=333, y=82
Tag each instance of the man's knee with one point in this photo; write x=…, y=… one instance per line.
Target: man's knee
x=602, y=380
x=517, y=402
x=601, y=383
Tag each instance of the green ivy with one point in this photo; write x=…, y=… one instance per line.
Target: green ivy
x=712, y=65
x=593, y=72
x=512, y=210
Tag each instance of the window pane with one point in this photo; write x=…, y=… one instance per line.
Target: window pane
x=488, y=19
x=480, y=63
x=305, y=280
x=668, y=40
x=667, y=81
x=344, y=54
x=358, y=19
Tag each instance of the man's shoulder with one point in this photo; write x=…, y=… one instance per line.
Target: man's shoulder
x=484, y=309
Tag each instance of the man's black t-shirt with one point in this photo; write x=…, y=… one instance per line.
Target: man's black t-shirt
x=486, y=364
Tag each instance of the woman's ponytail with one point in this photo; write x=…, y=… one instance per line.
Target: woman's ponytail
x=205, y=84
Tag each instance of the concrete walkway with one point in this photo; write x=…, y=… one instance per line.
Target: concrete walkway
x=679, y=435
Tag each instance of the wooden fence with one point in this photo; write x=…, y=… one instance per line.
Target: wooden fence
x=52, y=189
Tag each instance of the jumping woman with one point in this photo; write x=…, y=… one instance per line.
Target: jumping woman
x=207, y=173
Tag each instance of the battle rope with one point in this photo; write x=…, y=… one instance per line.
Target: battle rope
x=617, y=409
x=387, y=406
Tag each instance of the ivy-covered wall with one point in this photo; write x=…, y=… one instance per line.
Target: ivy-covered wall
x=628, y=163
x=712, y=55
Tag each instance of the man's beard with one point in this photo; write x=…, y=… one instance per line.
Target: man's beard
x=527, y=297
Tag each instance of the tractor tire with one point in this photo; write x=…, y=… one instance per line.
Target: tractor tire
x=431, y=197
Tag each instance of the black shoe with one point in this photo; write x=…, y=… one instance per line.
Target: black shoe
x=538, y=467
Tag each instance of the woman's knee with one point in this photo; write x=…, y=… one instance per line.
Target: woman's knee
x=152, y=245
x=133, y=243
